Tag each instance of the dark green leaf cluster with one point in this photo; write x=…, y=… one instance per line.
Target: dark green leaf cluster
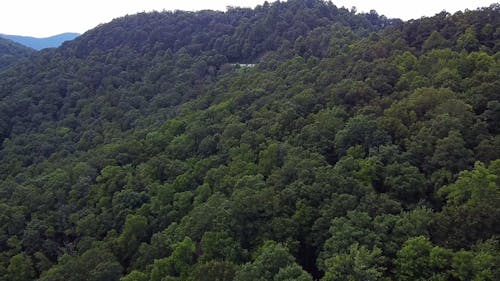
x=12, y=52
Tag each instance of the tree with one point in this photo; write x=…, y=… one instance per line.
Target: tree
x=214, y=271
x=470, y=213
x=20, y=268
x=474, y=266
x=360, y=130
x=354, y=228
x=468, y=41
x=451, y=153
x=358, y=264
x=419, y=260
x=135, y=276
x=405, y=182
x=435, y=40
x=93, y=265
x=269, y=159
x=220, y=246
x=176, y=265
x=292, y=273
x=270, y=259
x=134, y=231
x=251, y=212
x=488, y=149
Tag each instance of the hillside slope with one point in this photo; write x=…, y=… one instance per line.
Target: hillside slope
x=11, y=52
x=357, y=148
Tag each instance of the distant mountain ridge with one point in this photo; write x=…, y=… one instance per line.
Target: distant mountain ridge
x=41, y=43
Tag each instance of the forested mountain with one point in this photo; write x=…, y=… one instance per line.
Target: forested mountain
x=11, y=52
x=293, y=141
x=41, y=43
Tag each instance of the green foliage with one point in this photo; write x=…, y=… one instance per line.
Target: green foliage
x=414, y=260
x=451, y=153
x=468, y=40
x=272, y=262
x=94, y=264
x=356, y=265
x=294, y=141
x=471, y=213
x=268, y=159
x=133, y=232
x=293, y=273
x=470, y=266
x=20, y=268
x=214, y=271
x=360, y=130
x=12, y=52
x=176, y=265
x=220, y=246
x=135, y=276
x=419, y=260
x=435, y=40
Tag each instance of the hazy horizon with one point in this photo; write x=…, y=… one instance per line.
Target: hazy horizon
x=44, y=18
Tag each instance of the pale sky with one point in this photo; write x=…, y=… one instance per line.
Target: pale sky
x=41, y=18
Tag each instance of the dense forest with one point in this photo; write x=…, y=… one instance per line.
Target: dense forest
x=294, y=141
